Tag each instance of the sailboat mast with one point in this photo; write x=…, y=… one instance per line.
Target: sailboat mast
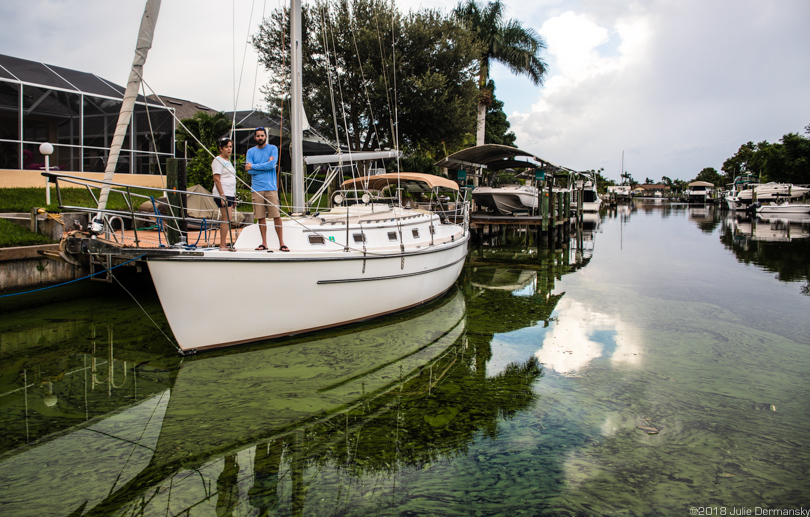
x=296, y=108
x=145, y=34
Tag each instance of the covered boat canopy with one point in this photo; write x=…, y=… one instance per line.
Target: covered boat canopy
x=411, y=181
x=700, y=184
x=491, y=156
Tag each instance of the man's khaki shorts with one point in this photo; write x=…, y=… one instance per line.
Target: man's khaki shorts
x=265, y=204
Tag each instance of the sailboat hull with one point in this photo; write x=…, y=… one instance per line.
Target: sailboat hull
x=248, y=296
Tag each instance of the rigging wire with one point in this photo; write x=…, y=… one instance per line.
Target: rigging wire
x=365, y=89
x=144, y=311
x=152, y=133
x=340, y=92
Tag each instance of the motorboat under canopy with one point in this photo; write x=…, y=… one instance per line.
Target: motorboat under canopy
x=412, y=182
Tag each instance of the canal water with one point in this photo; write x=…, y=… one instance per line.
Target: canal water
x=655, y=362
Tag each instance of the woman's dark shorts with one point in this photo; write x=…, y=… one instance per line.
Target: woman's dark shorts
x=231, y=201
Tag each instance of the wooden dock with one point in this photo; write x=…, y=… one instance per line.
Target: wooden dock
x=479, y=219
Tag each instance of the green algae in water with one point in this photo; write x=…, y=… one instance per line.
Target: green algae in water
x=537, y=396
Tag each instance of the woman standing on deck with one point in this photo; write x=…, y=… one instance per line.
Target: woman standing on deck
x=224, y=187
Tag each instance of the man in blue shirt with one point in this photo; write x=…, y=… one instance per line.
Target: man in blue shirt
x=261, y=163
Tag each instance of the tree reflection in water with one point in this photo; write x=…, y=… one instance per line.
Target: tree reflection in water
x=780, y=245
x=291, y=426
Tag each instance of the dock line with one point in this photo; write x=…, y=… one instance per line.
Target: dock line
x=71, y=281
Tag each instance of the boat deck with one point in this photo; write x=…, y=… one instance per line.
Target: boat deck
x=155, y=239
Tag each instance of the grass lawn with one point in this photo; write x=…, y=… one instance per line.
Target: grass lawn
x=14, y=235
x=23, y=199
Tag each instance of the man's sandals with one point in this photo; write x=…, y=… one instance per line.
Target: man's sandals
x=284, y=248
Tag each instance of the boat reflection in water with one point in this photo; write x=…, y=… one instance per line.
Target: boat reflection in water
x=306, y=427
x=779, y=244
x=772, y=228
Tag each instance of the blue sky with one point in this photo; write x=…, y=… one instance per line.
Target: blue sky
x=678, y=85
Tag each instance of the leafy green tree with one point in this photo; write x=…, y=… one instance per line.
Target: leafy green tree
x=367, y=94
x=787, y=161
x=628, y=178
x=497, y=129
x=206, y=127
x=740, y=163
x=790, y=160
x=504, y=41
x=602, y=182
x=710, y=175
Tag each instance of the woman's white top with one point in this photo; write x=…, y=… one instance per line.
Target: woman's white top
x=227, y=176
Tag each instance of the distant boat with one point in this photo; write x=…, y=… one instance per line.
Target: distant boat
x=771, y=192
x=783, y=208
x=590, y=198
x=698, y=191
x=740, y=183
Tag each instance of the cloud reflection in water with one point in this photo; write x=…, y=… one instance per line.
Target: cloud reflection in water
x=581, y=335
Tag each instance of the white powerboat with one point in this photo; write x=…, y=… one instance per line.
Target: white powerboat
x=771, y=192
x=783, y=208
x=591, y=200
x=698, y=191
x=506, y=199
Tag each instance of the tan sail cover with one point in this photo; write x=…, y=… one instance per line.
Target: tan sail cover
x=410, y=181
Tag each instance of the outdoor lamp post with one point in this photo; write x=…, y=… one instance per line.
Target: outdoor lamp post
x=46, y=150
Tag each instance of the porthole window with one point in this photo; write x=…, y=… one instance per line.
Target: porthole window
x=316, y=239
x=392, y=236
x=416, y=233
x=359, y=237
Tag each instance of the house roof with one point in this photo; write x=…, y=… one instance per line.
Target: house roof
x=182, y=108
x=52, y=76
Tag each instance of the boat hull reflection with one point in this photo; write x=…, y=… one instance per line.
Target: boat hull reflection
x=221, y=404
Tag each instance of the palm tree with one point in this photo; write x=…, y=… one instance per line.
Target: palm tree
x=506, y=42
x=205, y=126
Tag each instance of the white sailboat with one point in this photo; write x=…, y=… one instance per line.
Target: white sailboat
x=351, y=263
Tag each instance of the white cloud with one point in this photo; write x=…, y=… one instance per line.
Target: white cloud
x=677, y=86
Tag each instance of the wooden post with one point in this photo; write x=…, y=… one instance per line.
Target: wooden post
x=173, y=197
x=543, y=206
x=182, y=184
